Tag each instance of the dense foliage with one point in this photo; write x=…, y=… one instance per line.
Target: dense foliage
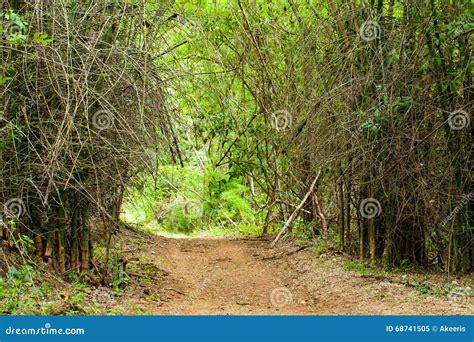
x=219, y=115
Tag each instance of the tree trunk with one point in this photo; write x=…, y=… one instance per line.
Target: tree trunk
x=85, y=255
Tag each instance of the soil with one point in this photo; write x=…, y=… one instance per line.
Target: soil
x=244, y=276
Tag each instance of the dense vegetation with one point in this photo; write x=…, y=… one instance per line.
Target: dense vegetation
x=221, y=117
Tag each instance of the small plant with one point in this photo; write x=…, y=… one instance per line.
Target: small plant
x=429, y=290
x=119, y=277
x=192, y=200
x=361, y=268
x=25, y=244
x=19, y=293
x=407, y=266
x=324, y=245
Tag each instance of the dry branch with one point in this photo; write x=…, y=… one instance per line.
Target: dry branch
x=298, y=208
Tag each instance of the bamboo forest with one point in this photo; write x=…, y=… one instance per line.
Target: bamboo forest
x=244, y=157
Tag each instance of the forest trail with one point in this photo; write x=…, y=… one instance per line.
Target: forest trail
x=244, y=276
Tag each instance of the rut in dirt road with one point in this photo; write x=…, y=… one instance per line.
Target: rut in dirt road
x=244, y=276
x=228, y=276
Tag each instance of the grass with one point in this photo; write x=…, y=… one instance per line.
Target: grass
x=22, y=293
x=429, y=290
x=362, y=268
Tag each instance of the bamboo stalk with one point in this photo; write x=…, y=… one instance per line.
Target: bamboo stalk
x=295, y=212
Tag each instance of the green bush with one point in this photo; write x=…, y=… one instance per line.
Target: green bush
x=190, y=199
x=20, y=295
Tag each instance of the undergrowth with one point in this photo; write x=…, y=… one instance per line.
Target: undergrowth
x=192, y=200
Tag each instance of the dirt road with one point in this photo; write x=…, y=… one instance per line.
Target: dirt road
x=221, y=276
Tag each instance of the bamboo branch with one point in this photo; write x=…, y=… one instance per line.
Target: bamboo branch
x=298, y=208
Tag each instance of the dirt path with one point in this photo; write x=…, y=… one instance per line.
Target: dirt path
x=245, y=277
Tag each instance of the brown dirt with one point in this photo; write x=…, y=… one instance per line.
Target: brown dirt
x=237, y=276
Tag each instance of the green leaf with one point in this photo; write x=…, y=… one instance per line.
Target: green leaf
x=42, y=38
